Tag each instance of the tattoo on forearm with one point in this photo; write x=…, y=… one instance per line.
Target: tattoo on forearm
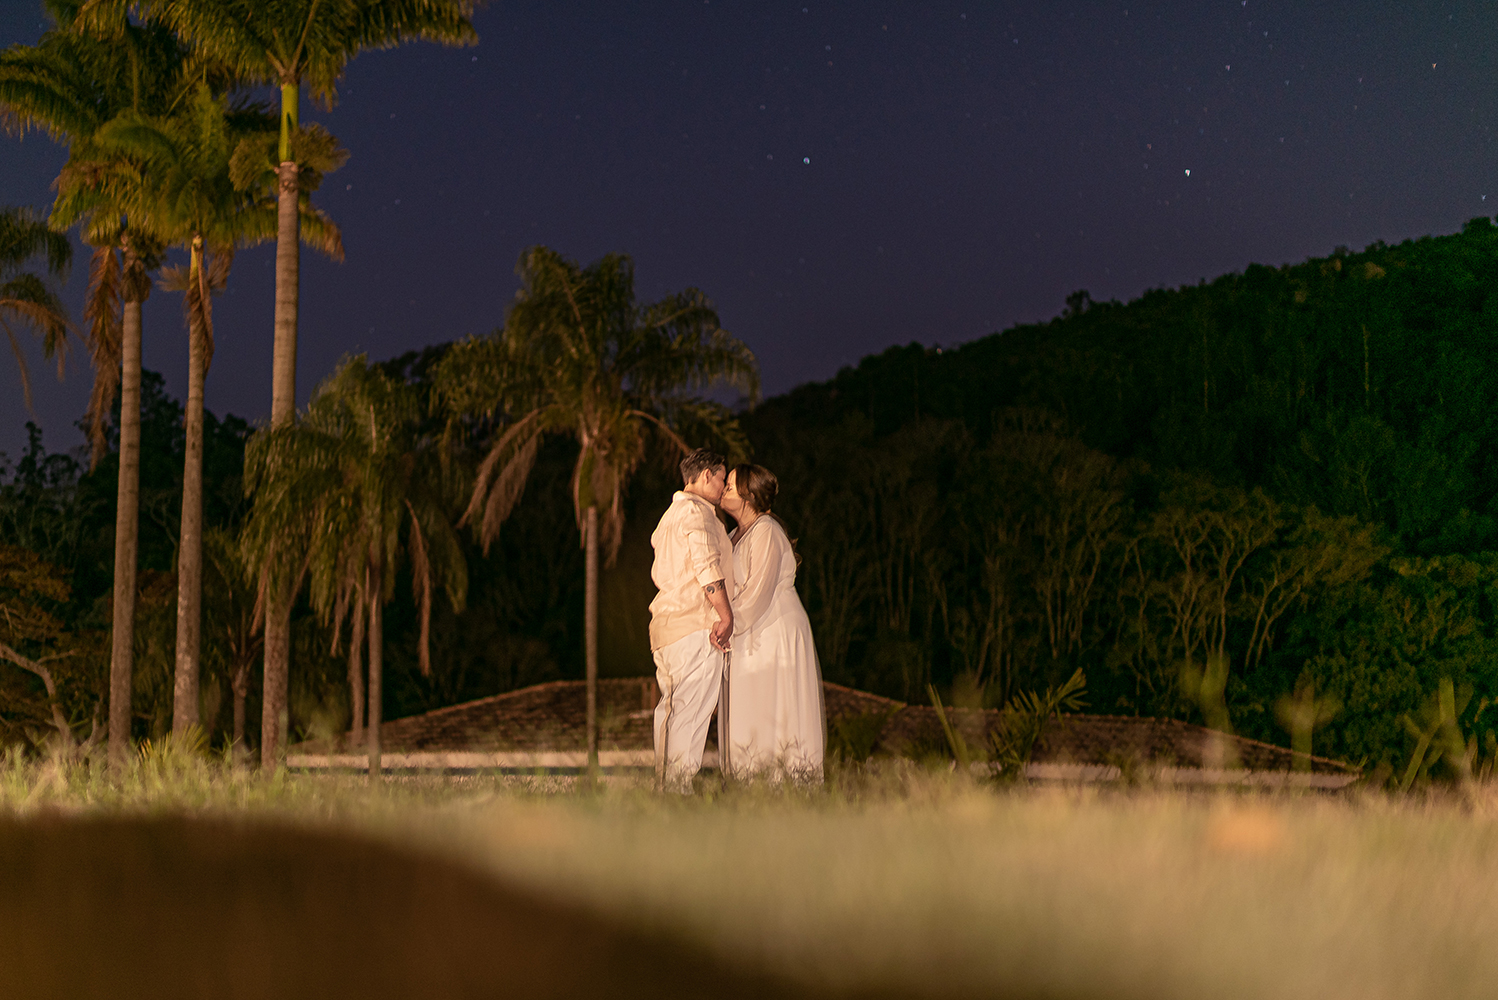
x=713, y=588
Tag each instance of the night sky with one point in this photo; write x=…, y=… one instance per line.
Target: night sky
x=839, y=178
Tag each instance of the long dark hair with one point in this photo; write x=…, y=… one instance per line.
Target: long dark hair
x=758, y=486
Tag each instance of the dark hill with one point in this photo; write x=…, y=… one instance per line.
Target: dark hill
x=1363, y=383
x=1287, y=471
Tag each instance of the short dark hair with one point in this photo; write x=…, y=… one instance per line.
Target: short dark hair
x=698, y=462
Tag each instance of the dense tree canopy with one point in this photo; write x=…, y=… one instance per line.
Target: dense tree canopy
x=1289, y=467
x=1286, y=471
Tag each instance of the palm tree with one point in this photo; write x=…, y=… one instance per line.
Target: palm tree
x=68, y=85
x=357, y=486
x=286, y=44
x=173, y=176
x=25, y=297
x=229, y=588
x=579, y=357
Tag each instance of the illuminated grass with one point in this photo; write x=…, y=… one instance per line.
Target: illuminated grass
x=956, y=891
x=903, y=879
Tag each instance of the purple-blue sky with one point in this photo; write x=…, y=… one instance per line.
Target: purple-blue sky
x=840, y=177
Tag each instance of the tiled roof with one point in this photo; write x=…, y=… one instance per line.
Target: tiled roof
x=1123, y=740
x=1120, y=741
x=543, y=717
x=551, y=716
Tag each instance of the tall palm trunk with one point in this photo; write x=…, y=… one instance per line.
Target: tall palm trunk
x=126, y=538
x=590, y=635
x=273, y=714
x=356, y=675
x=376, y=669
x=240, y=684
x=190, y=547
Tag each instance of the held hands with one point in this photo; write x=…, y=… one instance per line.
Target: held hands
x=721, y=634
x=717, y=596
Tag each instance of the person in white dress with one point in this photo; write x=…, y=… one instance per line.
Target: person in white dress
x=770, y=715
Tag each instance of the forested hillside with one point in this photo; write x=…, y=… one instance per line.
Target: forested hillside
x=1286, y=474
x=1289, y=471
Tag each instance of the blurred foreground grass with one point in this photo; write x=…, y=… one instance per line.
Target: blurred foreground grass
x=905, y=881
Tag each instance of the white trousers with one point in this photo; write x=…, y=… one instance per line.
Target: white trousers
x=689, y=672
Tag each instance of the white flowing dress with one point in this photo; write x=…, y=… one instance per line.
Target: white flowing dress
x=772, y=691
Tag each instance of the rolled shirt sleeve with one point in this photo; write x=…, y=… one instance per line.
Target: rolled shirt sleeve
x=702, y=549
x=691, y=551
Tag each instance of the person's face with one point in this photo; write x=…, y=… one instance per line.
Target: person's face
x=732, y=502
x=710, y=484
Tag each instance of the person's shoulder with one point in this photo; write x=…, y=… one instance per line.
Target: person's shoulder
x=683, y=502
x=764, y=531
x=674, y=511
x=702, y=505
x=688, y=507
x=777, y=534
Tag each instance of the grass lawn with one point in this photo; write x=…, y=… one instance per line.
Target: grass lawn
x=901, y=881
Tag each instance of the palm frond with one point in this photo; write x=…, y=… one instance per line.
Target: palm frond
x=20, y=355
x=382, y=24
x=581, y=353
x=133, y=134
x=421, y=589
x=707, y=423
x=315, y=150
x=46, y=87
x=351, y=485
x=142, y=256
x=356, y=635
x=25, y=235
x=226, y=33
x=261, y=42
x=484, y=378
x=665, y=429
x=216, y=265
x=317, y=154
x=691, y=356
x=28, y=299
x=175, y=278
x=25, y=299
x=199, y=302
x=320, y=232
x=514, y=455
x=253, y=163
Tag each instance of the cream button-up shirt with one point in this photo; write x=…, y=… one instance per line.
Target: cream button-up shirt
x=692, y=550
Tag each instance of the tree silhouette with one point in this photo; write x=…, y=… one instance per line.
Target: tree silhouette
x=25, y=297
x=357, y=486
x=286, y=44
x=69, y=85
x=578, y=356
x=173, y=177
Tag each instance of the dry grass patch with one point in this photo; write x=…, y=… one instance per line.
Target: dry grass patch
x=938, y=888
x=900, y=881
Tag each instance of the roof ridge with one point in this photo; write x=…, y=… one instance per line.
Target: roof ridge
x=1208, y=729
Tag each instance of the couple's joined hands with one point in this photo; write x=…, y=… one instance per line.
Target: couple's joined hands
x=721, y=634
x=717, y=596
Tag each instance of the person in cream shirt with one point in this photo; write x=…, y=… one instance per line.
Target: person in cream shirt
x=691, y=618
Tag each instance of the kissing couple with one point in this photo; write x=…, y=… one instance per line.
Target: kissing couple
x=727, y=630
